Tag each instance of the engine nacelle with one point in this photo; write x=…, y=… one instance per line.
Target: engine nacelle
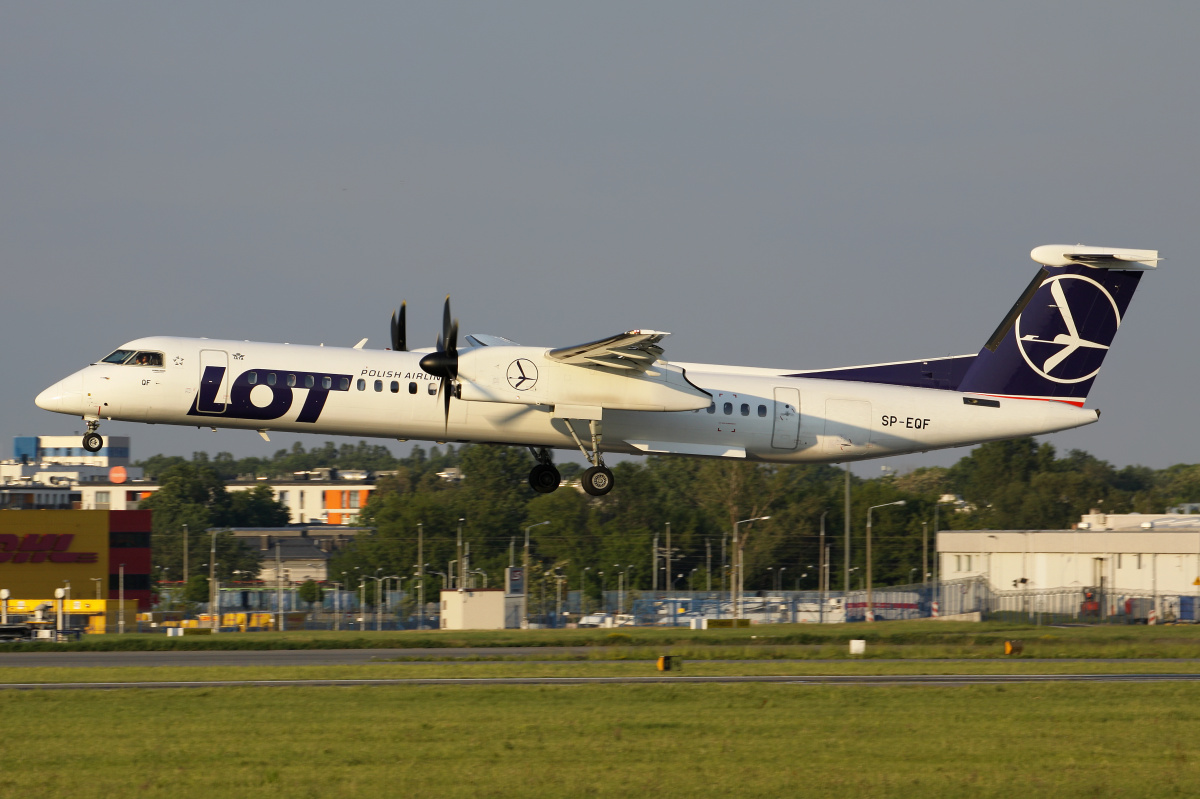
x=525, y=376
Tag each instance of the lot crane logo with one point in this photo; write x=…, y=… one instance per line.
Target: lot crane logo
x=1051, y=357
x=522, y=374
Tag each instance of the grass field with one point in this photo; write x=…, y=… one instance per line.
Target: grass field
x=605, y=741
x=664, y=740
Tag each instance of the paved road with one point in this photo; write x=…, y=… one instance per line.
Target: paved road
x=849, y=680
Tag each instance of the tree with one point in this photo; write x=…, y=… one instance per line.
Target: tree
x=310, y=592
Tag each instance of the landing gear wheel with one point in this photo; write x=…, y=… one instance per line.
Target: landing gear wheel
x=93, y=442
x=544, y=478
x=598, y=481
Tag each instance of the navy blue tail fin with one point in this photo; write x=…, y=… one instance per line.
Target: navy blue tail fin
x=1053, y=341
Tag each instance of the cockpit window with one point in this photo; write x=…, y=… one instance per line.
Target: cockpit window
x=120, y=356
x=148, y=359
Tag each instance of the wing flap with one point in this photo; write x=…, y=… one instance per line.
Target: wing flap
x=634, y=350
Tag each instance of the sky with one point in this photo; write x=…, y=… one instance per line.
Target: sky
x=786, y=185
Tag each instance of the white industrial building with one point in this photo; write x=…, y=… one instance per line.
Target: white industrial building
x=1157, y=553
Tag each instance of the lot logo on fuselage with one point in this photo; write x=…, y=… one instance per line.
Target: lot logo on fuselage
x=264, y=394
x=1091, y=305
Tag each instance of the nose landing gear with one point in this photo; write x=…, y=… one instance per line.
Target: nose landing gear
x=93, y=441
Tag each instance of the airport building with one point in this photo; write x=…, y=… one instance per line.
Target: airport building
x=100, y=558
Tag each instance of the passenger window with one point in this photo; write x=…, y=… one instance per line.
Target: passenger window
x=432, y=388
x=745, y=409
x=395, y=387
x=728, y=408
x=412, y=388
x=362, y=384
x=379, y=385
x=120, y=356
x=762, y=410
x=309, y=381
x=271, y=379
x=326, y=382
x=252, y=378
x=712, y=408
x=291, y=381
x=344, y=384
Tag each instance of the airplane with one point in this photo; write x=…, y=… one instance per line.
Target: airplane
x=619, y=395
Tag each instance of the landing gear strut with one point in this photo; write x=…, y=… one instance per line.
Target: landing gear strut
x=597, y=480
x=543, y=478
x=93, y=441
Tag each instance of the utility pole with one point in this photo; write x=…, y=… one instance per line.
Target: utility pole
x=212, y=580
x=708, y=565
x=421, y=575
x=279, y=587
x=185, y=557
x=924, y=553
x=846, y=524
x=654, y=564
x=821, y=560
x=459, y=577
x=121, y=600
x=667, y=555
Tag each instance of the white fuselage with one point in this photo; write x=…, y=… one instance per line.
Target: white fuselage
x=755, y=414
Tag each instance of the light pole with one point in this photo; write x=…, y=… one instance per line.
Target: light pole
x=870, y=597
x=583, y=589
x=212, y=578
x=121, y=601
x=97, y=580
x=525, y=578
x=461, y=564
x=421, y=575
x=738, y=566
x=779, y=587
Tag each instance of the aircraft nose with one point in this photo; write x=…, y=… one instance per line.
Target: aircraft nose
x=65, y=396
x=52, y=398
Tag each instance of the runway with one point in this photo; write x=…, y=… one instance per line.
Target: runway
x=353, y=657
x=846, y=680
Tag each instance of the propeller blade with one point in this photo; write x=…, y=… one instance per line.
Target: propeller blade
x=399, y=337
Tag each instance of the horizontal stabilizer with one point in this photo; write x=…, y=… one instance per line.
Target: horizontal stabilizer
x=1102, y=257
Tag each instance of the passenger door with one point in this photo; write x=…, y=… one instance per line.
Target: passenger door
x=214, y=382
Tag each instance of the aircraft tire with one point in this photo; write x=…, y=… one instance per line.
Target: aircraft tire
x=544, y=478
x=597, y=481
x=93, y=442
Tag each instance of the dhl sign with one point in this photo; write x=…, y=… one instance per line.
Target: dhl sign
x=43, y=548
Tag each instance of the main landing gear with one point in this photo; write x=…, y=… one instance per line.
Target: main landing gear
x=597, y=480
x=543, y=478
x=93, y=441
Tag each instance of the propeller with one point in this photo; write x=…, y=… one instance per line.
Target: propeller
x=443, y=361
x=399, y=339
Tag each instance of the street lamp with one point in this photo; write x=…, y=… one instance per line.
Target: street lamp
x=97, y=580
x=739, y=577
x=870, y=598
x=525, y=579
x=779, y=587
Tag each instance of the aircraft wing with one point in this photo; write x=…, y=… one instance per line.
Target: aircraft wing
x=634, y=350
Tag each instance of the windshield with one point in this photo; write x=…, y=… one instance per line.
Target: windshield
x=120, y=356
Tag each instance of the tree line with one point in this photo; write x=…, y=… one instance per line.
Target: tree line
x=589, y=541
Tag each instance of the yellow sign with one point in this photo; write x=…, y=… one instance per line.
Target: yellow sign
x=47, y=549
x=1196, y=581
